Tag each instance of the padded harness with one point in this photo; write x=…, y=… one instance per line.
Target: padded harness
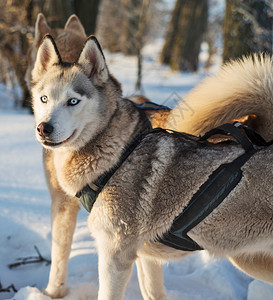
x=218, y=186
x=209, y=196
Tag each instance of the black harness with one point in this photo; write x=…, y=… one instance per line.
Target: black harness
x=90, y=192
x=152, y=106
x=219, y=184
x=212, y=193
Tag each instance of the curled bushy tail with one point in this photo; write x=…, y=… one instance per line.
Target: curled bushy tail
x=242, y=87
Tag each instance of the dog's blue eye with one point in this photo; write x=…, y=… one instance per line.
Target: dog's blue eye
x=44, y=99
x=73, y=101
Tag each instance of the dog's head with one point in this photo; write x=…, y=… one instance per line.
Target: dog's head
x=72, y=102
x=69, y=41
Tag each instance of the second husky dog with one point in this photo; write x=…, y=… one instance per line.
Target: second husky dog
x=85, y=127
x=68, y=39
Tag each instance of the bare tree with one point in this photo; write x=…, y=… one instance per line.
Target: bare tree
x=87, y=11
x=185, y=34
x=119, y=25
x=123, y=26
x=109, y=25
x=57, y=12
x=15, y=36
x=214, y=33
x=248, y=27
x=142, y=23
x=17, y=31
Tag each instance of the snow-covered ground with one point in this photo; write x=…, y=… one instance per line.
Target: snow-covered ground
x=25, y=211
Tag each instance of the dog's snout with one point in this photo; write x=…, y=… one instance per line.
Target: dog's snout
x=45, y=129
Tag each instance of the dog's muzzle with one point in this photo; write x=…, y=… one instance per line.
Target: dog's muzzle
x=45, y=129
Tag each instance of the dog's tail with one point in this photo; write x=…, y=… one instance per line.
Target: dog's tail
x=242, y=87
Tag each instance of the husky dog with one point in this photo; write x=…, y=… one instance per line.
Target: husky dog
x=242, y=88
x=69, y=40
x=85, y=126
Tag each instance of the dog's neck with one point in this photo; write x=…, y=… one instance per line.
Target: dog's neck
x=77, y=169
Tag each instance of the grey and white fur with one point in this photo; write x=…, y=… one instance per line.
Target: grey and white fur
x=84, y=125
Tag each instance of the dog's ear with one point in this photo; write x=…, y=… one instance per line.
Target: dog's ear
x=47, y=56
x=41, y=29
x=92, y=61
x=74, y=23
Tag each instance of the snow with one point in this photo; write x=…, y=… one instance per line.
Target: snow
x=25, y=210
x=159, y=84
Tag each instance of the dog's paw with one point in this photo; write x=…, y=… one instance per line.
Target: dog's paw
x=54, y=291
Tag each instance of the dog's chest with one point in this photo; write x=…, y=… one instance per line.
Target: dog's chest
x=71, y=176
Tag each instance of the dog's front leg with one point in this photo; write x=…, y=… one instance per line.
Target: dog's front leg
x=150, y=277
x=64, y=215
x=64, y=210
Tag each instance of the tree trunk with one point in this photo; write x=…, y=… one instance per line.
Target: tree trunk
x=247, y=28
x=119, y=24
x=184, y=35
x=87, y=11
x=109, y=25
x=139, y=38
x=130, y=25
x=57, y=12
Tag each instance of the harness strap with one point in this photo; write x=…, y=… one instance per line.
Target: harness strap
x=90, y=192
x=218, y=186
x=254, y=137
x=151, y=106
x=230, y=130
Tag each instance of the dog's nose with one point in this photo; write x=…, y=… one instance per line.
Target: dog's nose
x=45, y=129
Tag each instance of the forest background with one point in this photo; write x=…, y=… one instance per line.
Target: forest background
x=127, y=25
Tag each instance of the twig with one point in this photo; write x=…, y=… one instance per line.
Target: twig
x=30, y=260
x=7, y=289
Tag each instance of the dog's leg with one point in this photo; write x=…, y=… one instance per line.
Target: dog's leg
x=64, y=218
x=257, y=265
x=150, y=277
x=115, y=266
x=64, y=210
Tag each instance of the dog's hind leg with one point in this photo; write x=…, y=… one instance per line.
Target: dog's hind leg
x=258, y=265
x=150, y=277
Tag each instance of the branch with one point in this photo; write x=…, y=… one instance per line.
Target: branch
x=7, y=289
x=30, y=260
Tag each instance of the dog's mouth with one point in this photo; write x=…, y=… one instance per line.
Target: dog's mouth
x=54, y=144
